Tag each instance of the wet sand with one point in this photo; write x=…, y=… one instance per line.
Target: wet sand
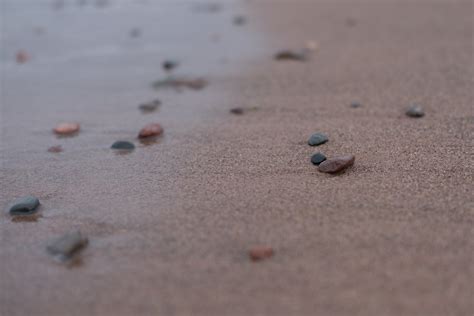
x=169, y=225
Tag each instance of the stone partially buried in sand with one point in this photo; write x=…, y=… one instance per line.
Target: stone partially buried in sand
x=336, y=164
x=415, y=111
x=260, y=253
x=317, y=139
x=150, y=130
x=26, y=205
x=291, y=55
x=67, y=128
x=66, y=247
x=123, y=145
x=149, y=106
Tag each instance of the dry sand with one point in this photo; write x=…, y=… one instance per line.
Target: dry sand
x=170, y=224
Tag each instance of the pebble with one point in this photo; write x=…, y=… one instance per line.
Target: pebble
x=169, y=65
x=66, y=128
x=239, y=20
x=55, y=149
x=22, y=57
x=260, y=253
x=178, y=83
x=26, y=205
x=237, y=111
x=123, y=145
x=67, y=246
x=336, y=164
x=290, y=55
x=356, y=104
x=135, y=32
x=415, y=111
x=152, y=129
x=317, y=139
x=317, y=158
x=149, y=106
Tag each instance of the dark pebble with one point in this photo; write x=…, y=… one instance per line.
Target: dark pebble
x=237, y=111
x=260, y=253
x=317, y=139
x=415, y=111
x=67, y=246
x=26, y=205
x=123, y=145
x=317, y=158
x=336, y=164
x=356, y=104
x=290, y=55
x=239, y=20
x=169, y=65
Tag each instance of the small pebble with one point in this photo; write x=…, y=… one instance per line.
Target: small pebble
x=66, y=128
x=317, y=158
x=152, y=129
x=178, y=83
x=336, y=164
x=355, y=104
x=150, y=106
x=135, y=32
x=415, y=111
x=67, y=246
x=240, y=20
x=169, y=65
x=260, y=253
x=26, y=205
x=55, y=149
x=22, y=57
x=290, y=55
x=317, y=139
x=123, y=145
x=237, y=111
x=351, y=22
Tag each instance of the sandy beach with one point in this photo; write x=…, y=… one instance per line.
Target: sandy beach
x=170, y=224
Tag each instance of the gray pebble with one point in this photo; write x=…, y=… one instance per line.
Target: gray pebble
x=355, y=104
x=317, y=139
x=415, y=111
x=317, y=158
x=123, y=145
x=67, y=246
x=26, y=205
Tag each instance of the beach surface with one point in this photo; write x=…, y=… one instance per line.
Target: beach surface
x=170, y=224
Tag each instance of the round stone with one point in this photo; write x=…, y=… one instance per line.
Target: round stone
x=336, y=164
x=152, y=129
x=415, y=111
x=26, y=205
x=317, y=158
x=123, y=145
x=317, y=139
x=66, y=128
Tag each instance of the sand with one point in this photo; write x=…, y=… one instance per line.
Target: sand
x=169, y=225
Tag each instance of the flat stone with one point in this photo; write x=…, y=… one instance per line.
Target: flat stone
x=291, y=55
x=415, y=111
x=67, y=128
x=123, y=145
x=317, y=158
x=67, y=246
x=237, y=111
x=149, y=106
x=260, y=253
x=25, y=205
x=152, y=129
x=317, y=139
x=336, y=164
